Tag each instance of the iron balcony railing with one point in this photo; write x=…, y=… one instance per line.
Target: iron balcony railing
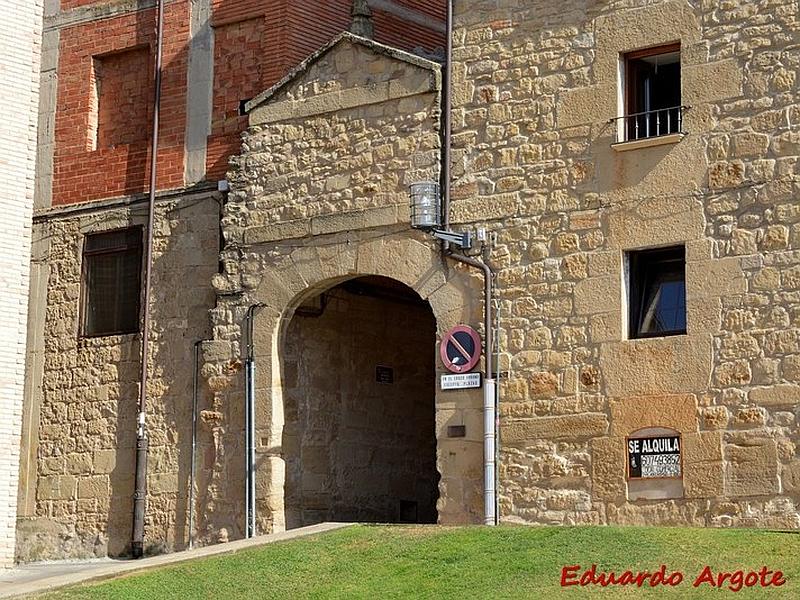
x=651, y=123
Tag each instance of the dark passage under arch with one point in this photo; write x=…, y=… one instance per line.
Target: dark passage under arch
x=359, y=438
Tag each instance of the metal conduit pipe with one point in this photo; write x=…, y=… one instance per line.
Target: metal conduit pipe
x=497, y=440
x=195, y=375
x=489, y=386
x=140, y=484
x=447, y=124
x=250, y=425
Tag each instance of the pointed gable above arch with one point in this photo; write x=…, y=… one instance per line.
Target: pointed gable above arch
x=349, y=71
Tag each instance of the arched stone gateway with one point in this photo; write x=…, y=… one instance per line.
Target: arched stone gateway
x=315, y=459
x=318, y=205
x=357, y=368
x=319, y=197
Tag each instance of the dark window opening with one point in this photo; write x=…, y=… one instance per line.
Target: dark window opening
x=243, y=106
x=653, y=92
x=112, y=265
x=657, y=292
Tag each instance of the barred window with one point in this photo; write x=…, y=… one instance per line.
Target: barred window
x=112, y=264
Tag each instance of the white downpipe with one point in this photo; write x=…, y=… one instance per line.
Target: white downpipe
x=250, y=427
x=250, y=492
x=489, y=491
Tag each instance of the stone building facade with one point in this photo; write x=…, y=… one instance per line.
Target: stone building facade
x=92, y=165
x=539, y=160
x=20, y=56
x=570, y=201
x=349, y=302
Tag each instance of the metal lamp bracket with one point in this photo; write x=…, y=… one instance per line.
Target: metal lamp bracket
x=463, y=240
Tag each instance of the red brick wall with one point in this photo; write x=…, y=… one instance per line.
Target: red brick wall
x=256, y=43
x=124, y=91
x=82, y=173
x=230, y=11
x=238, y=52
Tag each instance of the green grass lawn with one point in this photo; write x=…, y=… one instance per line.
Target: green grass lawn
x=468, y=562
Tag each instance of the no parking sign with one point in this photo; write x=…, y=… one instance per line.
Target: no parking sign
x=460, y=349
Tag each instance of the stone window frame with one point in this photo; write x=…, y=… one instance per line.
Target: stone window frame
x=634, y=290
x=84, y=282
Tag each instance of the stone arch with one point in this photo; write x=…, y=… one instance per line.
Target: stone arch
x=304, y=272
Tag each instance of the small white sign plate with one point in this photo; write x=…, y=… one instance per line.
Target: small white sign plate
x=461, y=381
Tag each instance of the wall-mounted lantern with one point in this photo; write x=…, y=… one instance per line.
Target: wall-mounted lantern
x=426, y=214
x=426, y=205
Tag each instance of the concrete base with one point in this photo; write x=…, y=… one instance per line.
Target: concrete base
x=39, y=577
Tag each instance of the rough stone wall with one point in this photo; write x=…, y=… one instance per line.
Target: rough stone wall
x=323, y=157
x=329, y=153
x=20, y=58
x=319, y=196
x=535, y=89
x=82, y=486
x=201, y=80
x=357, y=449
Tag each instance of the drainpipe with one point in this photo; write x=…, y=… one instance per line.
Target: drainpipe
x=489, y=384
x=250, y=426
x=497, y=439
x=447, y=125
x=195, y=375
x=140, y=485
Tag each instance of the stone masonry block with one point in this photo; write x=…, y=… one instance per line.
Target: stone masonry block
x=598, y=295
x=655, y=222
x=715, y=278
x=785, y=394
x=501, y=206
x=96, y=486
x=561, y=427
x=277, y=231
x=586, y=105
x=608, y=468
x=711, y=82
x=375, y=217
x=56, y=487
x=702, y=464
x=677, y=412
x=790, y=477
x=676, y=364
x=752, y=468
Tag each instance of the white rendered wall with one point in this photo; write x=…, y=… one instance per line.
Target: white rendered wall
x=20, y=46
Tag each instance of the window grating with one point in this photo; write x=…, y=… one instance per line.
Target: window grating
x=111, y=280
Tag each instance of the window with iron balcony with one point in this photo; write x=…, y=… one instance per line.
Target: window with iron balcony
x=651, y=96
